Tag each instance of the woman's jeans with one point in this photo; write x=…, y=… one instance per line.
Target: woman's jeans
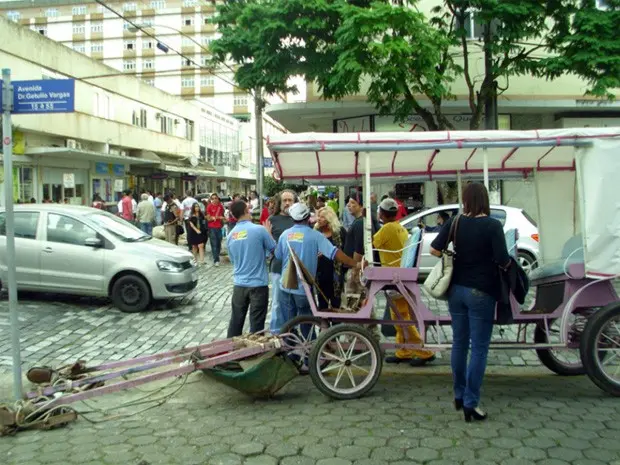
x=215, y=236
x=473, y=312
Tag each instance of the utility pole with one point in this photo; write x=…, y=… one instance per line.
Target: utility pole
x=490, y=104
x=7, y=144
x=259, y=105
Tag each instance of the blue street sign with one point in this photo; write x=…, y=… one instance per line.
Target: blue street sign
x=43, y=96
x=267, y=163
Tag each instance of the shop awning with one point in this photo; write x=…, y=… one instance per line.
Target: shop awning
x=64, y=152
x=200, y=168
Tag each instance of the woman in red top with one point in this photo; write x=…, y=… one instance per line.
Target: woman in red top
x=265, y=213
x=215, y=218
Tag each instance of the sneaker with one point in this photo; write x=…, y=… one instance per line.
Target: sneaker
x=217, y=263
x=418, y=362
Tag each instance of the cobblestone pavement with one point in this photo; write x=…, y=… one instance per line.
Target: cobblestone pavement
x=407, y=419
x=57, y=329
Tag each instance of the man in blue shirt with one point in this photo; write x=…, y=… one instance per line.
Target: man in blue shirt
x=249, y=245
x=307, y=243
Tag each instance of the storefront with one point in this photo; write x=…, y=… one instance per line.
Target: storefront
x=108, y=180
x=24, y=181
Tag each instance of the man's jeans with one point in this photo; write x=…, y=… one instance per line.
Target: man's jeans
x=215, y=236
x=256, y=298
x=472, y=313
x=277, y=319
x=292, y=305
x=147, y=228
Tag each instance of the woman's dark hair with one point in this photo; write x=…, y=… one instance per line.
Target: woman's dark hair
x=194, y=208
x=476, y=200
x=238, y=208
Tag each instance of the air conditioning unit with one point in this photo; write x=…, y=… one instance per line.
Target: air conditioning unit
x=71, y=144
x=123, y=153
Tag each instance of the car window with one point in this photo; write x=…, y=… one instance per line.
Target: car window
x=25, y=224
x=499, y=215
x=67, y=230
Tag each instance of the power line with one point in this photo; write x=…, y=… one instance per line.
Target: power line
x=148, y=34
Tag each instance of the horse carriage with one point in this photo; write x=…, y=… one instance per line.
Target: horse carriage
x=572, y=320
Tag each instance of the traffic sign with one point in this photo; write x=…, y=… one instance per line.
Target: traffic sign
x=267, y=163
x=43, y=96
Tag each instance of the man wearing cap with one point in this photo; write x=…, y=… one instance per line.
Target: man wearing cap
x=307, y=243
x=393, y=237
x=249, y=245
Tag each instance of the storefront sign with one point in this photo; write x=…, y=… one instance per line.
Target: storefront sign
x=188, y=178
x=102, y=168
x=118, y=170
x=159, y=176
x=119, y=185
x=68, y=180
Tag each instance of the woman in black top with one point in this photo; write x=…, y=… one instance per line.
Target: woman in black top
x=480, y=249
x=330, y=273
x=196, y=233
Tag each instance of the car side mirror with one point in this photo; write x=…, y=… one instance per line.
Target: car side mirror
x=94, y=242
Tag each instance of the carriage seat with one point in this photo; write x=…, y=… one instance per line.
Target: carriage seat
x=410, y=254
x=575, y=266
x=511, y=236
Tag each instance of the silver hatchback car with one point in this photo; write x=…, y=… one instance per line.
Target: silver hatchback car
x=510, y=217
x=85, y=251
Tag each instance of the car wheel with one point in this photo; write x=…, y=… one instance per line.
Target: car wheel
x=527, y=261
x=131, y=294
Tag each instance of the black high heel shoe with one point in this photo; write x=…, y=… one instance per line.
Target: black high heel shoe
x=474, y=413
x=458, y=404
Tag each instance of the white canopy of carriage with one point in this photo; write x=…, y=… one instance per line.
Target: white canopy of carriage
x=575, y=172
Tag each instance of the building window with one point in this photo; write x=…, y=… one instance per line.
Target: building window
x=79, y=10
x=148, y=21
x=81, y=47
x=189, y=3
x=189, y=129
x=79, y=28
x=13, y=15
x=188, y=21
x=130, y=6
x=96, y=27
x=148, y=64
x=51, y=13
x=205, y=60
x=207, y=19
x=206, y=40
x=149, y=82
x=186, y=62
x=473, y=28
x=158, y=4
x=148, y=45
x=143, y=118
x=240, y=101
x=129, y=45
x=166, y=124
x=129, y=65
x=187, y=42
x=207, y=81
x=41, y=29
x=187, y=83
x=96, y=47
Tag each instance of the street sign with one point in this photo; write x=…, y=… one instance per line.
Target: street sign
x=267, y=162
x=43, y=96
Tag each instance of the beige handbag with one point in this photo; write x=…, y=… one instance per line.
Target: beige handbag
x=438, y=281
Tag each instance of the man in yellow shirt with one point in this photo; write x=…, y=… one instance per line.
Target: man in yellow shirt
x=391, y=240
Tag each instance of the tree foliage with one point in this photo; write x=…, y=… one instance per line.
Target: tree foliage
x=586, y=42
x=407, y=62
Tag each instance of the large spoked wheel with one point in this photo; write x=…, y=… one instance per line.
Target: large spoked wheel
x=345, y=362
x=602, y=335
x=304, y=332
x=563, y=362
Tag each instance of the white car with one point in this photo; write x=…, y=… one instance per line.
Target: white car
x=85, y=251
x=510, y=217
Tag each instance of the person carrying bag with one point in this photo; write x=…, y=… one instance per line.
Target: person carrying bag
x=438, y=281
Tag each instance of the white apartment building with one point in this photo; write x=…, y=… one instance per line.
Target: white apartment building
x=122, y=134
x=171, y=55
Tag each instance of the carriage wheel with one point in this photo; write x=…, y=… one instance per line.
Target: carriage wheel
x=345, y=362
x=305, y=329
x=563, y=362
x=602, y=335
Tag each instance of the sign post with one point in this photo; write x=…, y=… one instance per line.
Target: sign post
x=7, y=152
x=23, y=97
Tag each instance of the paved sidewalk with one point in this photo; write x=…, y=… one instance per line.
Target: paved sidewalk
x=535, y=418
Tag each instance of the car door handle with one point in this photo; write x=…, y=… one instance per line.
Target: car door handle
x=47, y=250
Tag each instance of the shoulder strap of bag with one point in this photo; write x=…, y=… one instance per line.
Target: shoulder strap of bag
x=452, y=232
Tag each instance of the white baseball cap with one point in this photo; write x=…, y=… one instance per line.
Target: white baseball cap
x=388, y=205
x=299, y=211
